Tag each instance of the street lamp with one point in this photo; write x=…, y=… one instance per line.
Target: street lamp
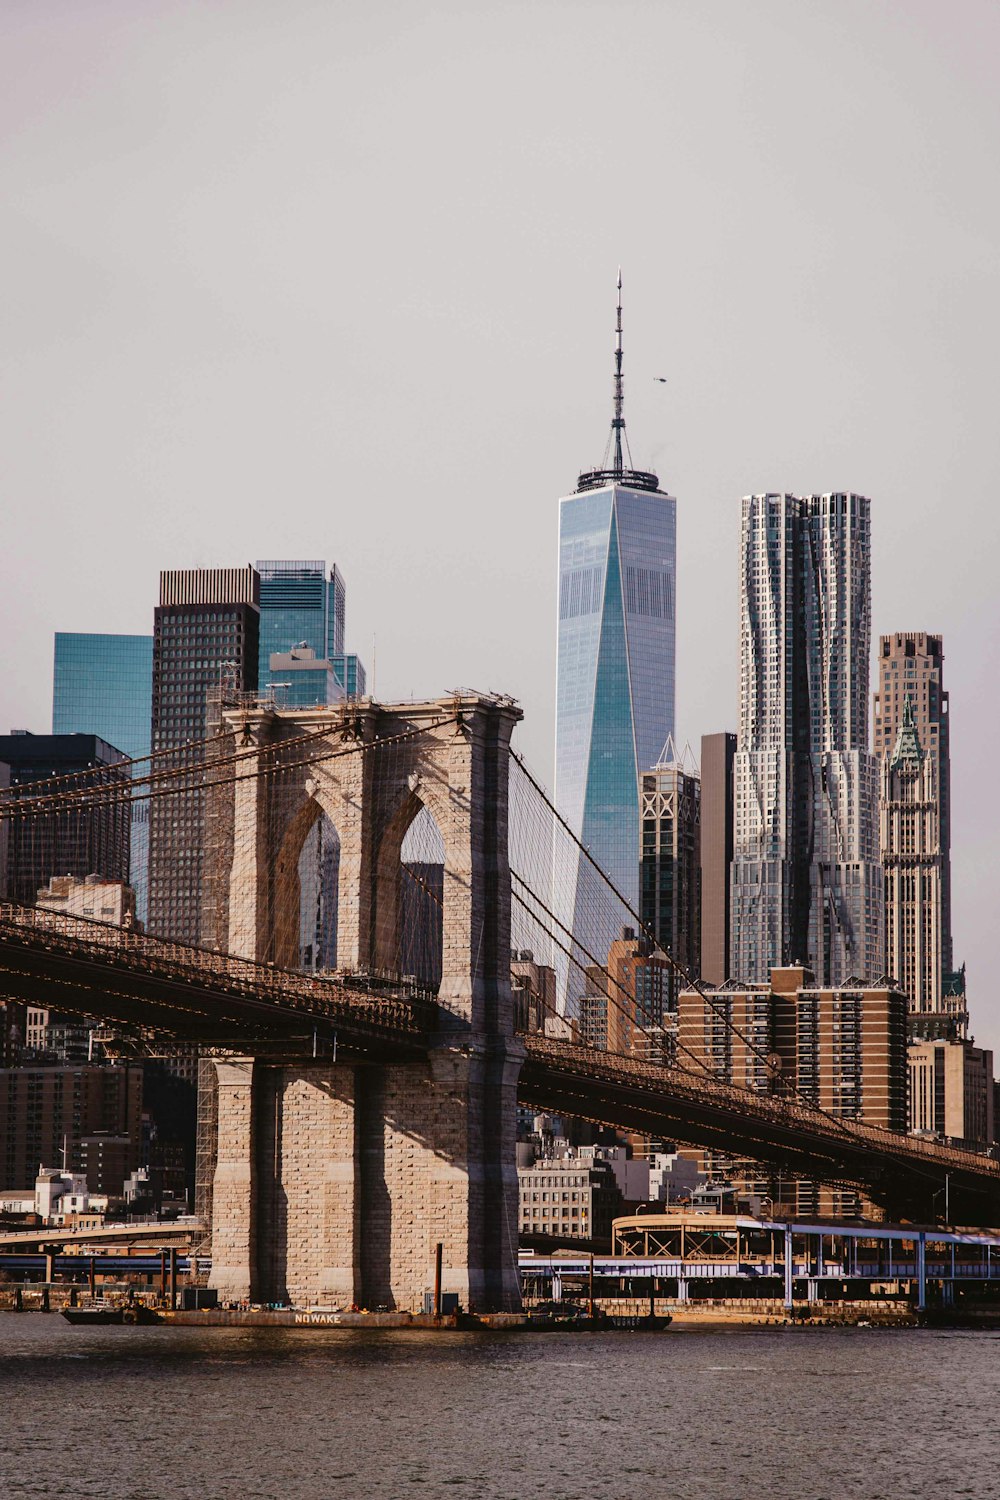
x=936, y=1196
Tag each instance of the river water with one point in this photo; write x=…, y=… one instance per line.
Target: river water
x=800, y=1414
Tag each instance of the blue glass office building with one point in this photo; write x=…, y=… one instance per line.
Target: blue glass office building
x=350, y=673
x=615, y=673
x=103, y=685
x=299, y=604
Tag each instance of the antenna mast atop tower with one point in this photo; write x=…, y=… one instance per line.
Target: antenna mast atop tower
x=616, y=472
x=618, y=420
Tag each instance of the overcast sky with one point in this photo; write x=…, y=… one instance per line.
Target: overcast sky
x=336, y=280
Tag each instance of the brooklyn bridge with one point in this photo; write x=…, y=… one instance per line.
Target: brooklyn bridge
x=358, y=1112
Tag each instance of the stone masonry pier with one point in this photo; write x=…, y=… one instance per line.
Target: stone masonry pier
x=334, y=1182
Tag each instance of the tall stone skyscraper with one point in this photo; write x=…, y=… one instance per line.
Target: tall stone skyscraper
x=615, y=670
x=807, y=880
x=912, y=732
x=911, y=669
x=912, y=856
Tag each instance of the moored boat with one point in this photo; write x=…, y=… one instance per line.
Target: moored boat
x=100, y=1316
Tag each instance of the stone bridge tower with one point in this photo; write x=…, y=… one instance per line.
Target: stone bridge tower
x=335, y=1182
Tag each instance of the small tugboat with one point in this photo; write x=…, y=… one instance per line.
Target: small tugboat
x=94, y=1316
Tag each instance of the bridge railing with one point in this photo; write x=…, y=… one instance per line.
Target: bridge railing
x=627, y=1069
x=401, y=1003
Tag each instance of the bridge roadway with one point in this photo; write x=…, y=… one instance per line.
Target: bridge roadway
x=904, y=1173
x=167, y=993
x=108, y=1234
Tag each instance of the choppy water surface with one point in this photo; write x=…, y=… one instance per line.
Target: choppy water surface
x=804, y=1414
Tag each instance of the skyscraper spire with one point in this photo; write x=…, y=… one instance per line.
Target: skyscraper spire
x=618, y=420
x=907, y=746
x=613, y=469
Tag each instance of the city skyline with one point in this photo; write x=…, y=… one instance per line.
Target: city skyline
x=94, y=654
x=168, y=367
x=340, y=1072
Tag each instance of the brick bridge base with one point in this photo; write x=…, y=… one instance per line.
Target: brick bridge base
x=335, y=1184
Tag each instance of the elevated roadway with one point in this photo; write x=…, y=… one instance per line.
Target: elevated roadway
x=110, y=1234
x=167, y=993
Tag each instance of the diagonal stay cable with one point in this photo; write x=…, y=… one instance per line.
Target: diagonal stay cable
x=679, y=969
x=706, y=1070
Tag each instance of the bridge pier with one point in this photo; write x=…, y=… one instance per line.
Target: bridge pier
x=234, y=1246
x=333, y=1184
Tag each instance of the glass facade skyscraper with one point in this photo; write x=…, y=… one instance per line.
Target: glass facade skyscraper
x=350, y=673
x=807, y=881
x=103, y=685
x=300, y=605
x=615, y=670
x=301, y=679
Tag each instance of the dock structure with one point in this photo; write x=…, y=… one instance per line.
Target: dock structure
x=683, y=1255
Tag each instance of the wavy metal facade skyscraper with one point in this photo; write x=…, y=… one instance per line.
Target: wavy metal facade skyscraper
x=615, y=666
x=807, y=880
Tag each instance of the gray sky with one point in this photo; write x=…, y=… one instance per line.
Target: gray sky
x=309, y=280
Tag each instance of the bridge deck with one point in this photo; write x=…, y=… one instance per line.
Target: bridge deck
x=167, y=991
x=701, y=1111
x=175, y=992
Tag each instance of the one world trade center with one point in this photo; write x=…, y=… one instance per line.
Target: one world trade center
x=615, y=676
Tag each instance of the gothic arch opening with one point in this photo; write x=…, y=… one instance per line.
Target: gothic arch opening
x=422, y=905
x=319, y=880
x=410, y=909
x=306, y=892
